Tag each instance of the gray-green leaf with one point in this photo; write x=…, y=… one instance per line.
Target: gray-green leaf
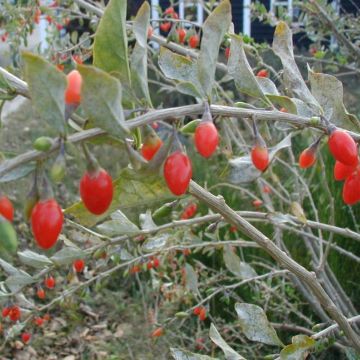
x=299, y=349
x=236, y=266
x=67, y=255
x=179, y=354
x=191, y=279
x=118, y=225
x=33, y=259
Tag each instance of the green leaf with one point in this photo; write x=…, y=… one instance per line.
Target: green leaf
x=132, y=192
x=239, y=68
x=180, y=68
x=47, y=87
x=14, y=330
x=110, y=43
x=17, y=281
x=190, y=127
x=17, y=173
x=299, y=349
x=146, y=221
x=329, y=92
x=236, y=266
x=283, y=101
x=283, y=48
x=179, y=354
x=67, y=255
x=8, y=238
x=8, y=268
x=229, y=352
x=33, y=259
x=213, y=30
x=156, y=242
x=138, y=62
x=255, y=325
x=101, y=100
x=191, y=279
x=118, y=225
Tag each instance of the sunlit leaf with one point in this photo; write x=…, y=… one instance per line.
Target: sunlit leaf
x=179, y=354
x=191, y=279
x=156, y=242
x=299, y=349
x=67, y=255
x=118, y=225
x=255, y=325
x=33, y=259
x=236, y=266
x=17, y=173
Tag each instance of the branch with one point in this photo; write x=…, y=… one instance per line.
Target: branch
x=218, y=204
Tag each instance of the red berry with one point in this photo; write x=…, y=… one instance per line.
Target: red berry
x=260, y=157
x=186, y=252
x=283, y=110
x=175, y=15
x=263, y=73
x=135, y=269
x=39, y=321
x=40, y=294
x=177, y=172
x=78, y=59
x=165, y=27
x=73, y=90
x=197, y=310
x=343, y=147
x=150, y=32
x=5, y=312
x=157, y=332
x=227, y=52
x=189, y=211
x=149, y=265
x=351, y=189
x=202, y=315
x=307, y=158
x=79, y=265
x=257, y=203
x=233, y=229
x=49, y=19
x=96, y=191
x=37, y=16
x=46, y=222
x=15, y=313
x=181, y=34
x=206, y=138
x=25, y=337
x=46, y=317
x=156, y=263
x=194, y=41
x=6, y=208
x=169, y=11
x=151, y=147
x=341, y=171
x=59, y=26
x=50, y=282
x=60, y=67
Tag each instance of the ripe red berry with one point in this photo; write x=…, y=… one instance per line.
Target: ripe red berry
x=150, y=32
x=37, y=16
x=307, y=158
x=194, y=41
x=79, y=265
x=186, y=252
x=39, y=321
x=50, y=282
x=165, y=27
x=266, y=189
x=59, y=26
x=46, y=317
x=260, y=157
x=263, y=73
x=343, y=147
x=177, y=172
x=341, y=171
x=206, y=138
x=257, y=203
x=169, y=11
x=5, y=312
x=283, y=110
x=197, y=310
x=78, y=59
x=189, y=211
x=157, y=332
x=351, y=189
x=15, y=313
x=227, y=52
x=96, y=191
x=49, y=19
x=6, y=208
x=149, y=265
x=151, y=146
x=135, y=269
x=46, y=222
x=181, y=34
x=73, y=90
x=156, y=263
x=202, y=315
x=25, y=337
x=40, y=294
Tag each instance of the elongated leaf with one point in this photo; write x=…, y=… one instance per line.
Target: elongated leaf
x=18, y=173
x=236, y=266
x=214, y=29
x=255, y=325
x=191, y=279
x=33, y=259
x=283, y=101
x=67, y=255
x=132, y=192
x=299, y=349
x=8, y=239
x=242, y=169
x=183, y=69
x=14, y=330
x=47, y=87
x=229, y=352
x=118, y=225
x=329, y=92
x=101, y=100
x=156, y=242
x=240, y=69
x=17, y=281
x=8, y=268
x=283, y=48
x=146, y=221
x=110, y=43
x=139, y=74
x=179, y=354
